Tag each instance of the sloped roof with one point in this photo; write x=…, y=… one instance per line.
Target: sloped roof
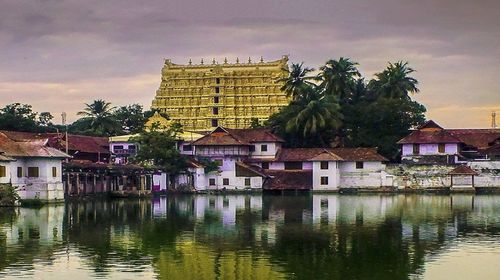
x=430, y=124
x=5, y=158
x=462, y=170
x=337, y=154
x=288, y=180
x=82, y=143
x=479, y=138
x=30, y=148
x=228, y=136
x=252, y=168
x=422, y=137
x=358, y=154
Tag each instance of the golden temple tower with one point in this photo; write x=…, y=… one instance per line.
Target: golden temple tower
x=203, y=96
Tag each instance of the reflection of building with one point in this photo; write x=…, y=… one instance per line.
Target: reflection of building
x=204, y=96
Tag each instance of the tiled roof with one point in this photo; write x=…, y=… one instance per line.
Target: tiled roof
x=252, y=168
x=82, y=143
x=288, y=180
x=5, y=158
x=228, y=136
x=479, y=138
x=422, y=137
x=358, y=154
x=340, y=154
x=462, y=170
x=30, y=148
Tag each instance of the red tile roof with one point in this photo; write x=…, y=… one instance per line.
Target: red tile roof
x=227, y=136
x=82, y=143
x=462, y=170
x=29, y=148
x=340, y=154
x=288, y=180
x=422, y=137
x=479, y=138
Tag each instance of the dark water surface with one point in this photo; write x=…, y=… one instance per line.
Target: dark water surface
x=256, y=237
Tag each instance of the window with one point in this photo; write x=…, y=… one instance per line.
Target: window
x=217, y=89
x=225, y=181
x=265, y=165
x=441, y=148
x=293, y=165
x=33, y=172
x=3, y=171
x=416, y=149
x=263, y=148
x=117, y=147
x=54, y=171
x=247, y=182
x=19, y=172
x=131, y=147
x=359, y=164
x=216, y=99
x=211, y=182
x=187, y=148
x=217, y=80
x=324, y=165
x=324, y=180
x=252, y=148
x=215, y=110
x=215, y=123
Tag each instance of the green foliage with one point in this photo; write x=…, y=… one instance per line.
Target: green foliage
x=344, y=110
x=131, y=118
x=21, y=117
x=98, y=118
x=255, y=123
x=210, y=165
x=8, y=195
x=158, y=148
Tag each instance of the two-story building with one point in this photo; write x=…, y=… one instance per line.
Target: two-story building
x=255, y=159
x=432, y=144
x=33, y=167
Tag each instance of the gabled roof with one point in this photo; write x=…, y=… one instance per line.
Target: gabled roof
x=82, y=143
x=423, y=137
x=29, y=148
x=462, y=170
x=220, y=137
x=430, y=124
x=479, y=138
x=288, y=180
x=335, y=154
x=229, y=136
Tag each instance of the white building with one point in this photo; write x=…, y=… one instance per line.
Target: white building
x=254, y=159
x=32, y=167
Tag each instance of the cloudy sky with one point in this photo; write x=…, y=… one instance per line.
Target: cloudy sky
x=57, y=55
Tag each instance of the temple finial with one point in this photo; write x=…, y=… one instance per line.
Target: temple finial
x=225, y=60
x=190, y=62
x=202, y=61
x=237, y=60
x=213, y=61
x=249, y=60
x=261, y=59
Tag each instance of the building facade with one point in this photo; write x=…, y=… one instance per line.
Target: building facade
x=203, y=96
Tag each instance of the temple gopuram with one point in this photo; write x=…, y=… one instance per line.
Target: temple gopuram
x=206, y=95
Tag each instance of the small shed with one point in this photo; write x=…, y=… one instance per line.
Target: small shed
x=462, y=177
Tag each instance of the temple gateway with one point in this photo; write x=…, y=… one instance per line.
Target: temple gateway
x=204, y=96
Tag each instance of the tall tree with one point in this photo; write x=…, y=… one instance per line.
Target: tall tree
x=21, y=117
x=98, y=115
x=338, y=78
x=297, y=80
x=395, y=82
x=131, y=117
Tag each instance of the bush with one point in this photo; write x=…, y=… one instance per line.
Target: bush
x=8, y=195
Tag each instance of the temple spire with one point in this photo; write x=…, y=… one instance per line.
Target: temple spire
x=237, y=60
x=190, y=62
x=249, y=60
x=261, y=59
x=202, y=61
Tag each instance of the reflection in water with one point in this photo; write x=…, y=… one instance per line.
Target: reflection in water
x=253, y=237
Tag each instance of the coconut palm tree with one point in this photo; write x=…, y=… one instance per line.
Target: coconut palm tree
x=297, y=81
x=314, y=115
x=394, y=81
x=338, y=78
x=99, y=115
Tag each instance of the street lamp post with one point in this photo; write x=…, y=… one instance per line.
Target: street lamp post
x=63, y=115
